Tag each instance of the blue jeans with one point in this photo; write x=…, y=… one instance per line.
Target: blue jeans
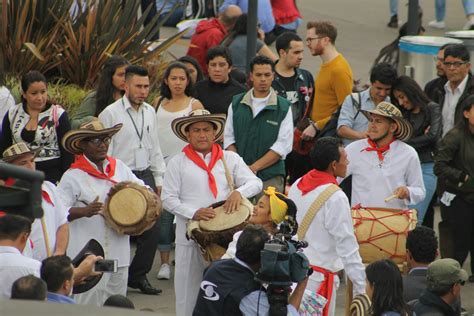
x=430, y=181
x=440, y=8
x=166, y=231
x=393, y=7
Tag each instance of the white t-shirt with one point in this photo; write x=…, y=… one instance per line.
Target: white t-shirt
x=6, y=102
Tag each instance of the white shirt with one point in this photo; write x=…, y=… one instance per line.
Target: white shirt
x=373, y=181
x=14, y=265
x=450, y=101
x=54, y=216
x=332, y=244
x=186, y=188
x=6, y=102
x=126, y=144
x=284, y=143
x=79, y=189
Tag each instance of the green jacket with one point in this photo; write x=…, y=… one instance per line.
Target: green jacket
x=85, y=112
x=255, y=136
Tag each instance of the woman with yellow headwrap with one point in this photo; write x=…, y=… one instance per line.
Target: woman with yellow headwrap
x=271, y=209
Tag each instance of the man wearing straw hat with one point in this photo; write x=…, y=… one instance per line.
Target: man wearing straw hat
x=85, y=186
x=385, y=171
x=196, y=178
x=50, y=234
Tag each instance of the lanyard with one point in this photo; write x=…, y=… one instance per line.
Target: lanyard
x=140, y=135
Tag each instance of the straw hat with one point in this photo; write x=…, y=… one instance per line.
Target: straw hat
x=180, y=124
x=16, y=150
x=386, y=109
x=93, y=128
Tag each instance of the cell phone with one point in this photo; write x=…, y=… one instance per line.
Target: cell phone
x=106, y=266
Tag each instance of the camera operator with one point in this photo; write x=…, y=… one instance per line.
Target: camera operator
x=229, y=286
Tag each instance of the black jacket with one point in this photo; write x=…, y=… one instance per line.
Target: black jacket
x=432, y=305
x=435, y=88
x=440, y=93
x=216, y=97
x=425, y=142
x=414, y=284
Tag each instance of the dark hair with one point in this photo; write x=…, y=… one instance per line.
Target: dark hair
x=325, y=151
x=261, y=60
x=466, y=105
x=134, y=70
x=194, y=62
x=219, y=51
x=105, y=88
x=444, y=46
x=386, y=280
x=240, y=28
x=11, y=226
x=457, y=51
x=324, y=28
x=119, y=301
x=284, y=40
x=55, y=271
x=164, y=88
x=251, y=243
x=291, y=211
x=383, y=73
x=412, y=90
x=29, y=288
x=422, y=244
x=29, y=78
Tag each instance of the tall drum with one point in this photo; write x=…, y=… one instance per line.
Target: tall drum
x=418, y=56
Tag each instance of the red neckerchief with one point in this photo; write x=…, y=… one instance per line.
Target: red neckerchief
x=379, y=150
x=216, y=154
x=314, y=179
x=83, y=164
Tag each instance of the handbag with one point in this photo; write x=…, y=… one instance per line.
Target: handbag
x=302, y=146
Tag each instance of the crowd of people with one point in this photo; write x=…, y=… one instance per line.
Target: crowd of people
x=217, y=133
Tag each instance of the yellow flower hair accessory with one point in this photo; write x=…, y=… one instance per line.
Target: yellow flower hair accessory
x=278, y=208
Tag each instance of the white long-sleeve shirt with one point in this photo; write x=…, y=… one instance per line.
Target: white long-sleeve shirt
x=79, y=189
x=126, y=143
x=284, y=143
x=373, y=181
x=186, y=188
x=332, y=244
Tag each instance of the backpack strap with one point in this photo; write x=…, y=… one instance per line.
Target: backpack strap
x=314, y=209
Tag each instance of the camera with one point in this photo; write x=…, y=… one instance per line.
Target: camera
x=281, y=263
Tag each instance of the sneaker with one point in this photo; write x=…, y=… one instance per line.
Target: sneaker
x=393, y=21
x=437, y=24
x=164, y=273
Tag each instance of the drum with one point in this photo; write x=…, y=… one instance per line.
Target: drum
x=131, y=209
x=213, y=236
x=382, y=232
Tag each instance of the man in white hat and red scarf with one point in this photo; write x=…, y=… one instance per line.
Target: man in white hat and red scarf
x=50, y=234
x=385, y=171
x=195, y=179
x=332, y=245
x=85, y=187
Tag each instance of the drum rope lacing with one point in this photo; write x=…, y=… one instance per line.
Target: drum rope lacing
x=389, y=231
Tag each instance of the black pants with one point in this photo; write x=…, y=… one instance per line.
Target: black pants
x=146, y=242
x=460, y=214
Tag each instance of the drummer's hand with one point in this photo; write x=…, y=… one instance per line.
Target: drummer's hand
x=402, y=193
x=233, y=202
x=204, y=214
x=93, y=208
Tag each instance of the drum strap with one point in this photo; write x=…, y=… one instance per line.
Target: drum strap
x=314, y=209
x=228, y=176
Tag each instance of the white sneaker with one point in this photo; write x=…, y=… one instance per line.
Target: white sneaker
x=437, y=24
x=164, y=273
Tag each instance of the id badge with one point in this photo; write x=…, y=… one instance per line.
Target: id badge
x=141, y=158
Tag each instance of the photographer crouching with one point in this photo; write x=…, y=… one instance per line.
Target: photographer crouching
x=230, y=287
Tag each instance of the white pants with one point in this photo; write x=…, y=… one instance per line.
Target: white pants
x=188, y=275
x=313, y=285
x=110, y=284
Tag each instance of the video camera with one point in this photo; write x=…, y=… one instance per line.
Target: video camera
x=281, y=263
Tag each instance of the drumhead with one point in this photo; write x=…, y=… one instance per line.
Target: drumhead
x=224, y=221
x=127, y=207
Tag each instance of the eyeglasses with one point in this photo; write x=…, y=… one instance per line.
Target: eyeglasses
x=436, y=59
x=98, y=140
x=310, y=39
x=461, y=282
x=456, y=64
